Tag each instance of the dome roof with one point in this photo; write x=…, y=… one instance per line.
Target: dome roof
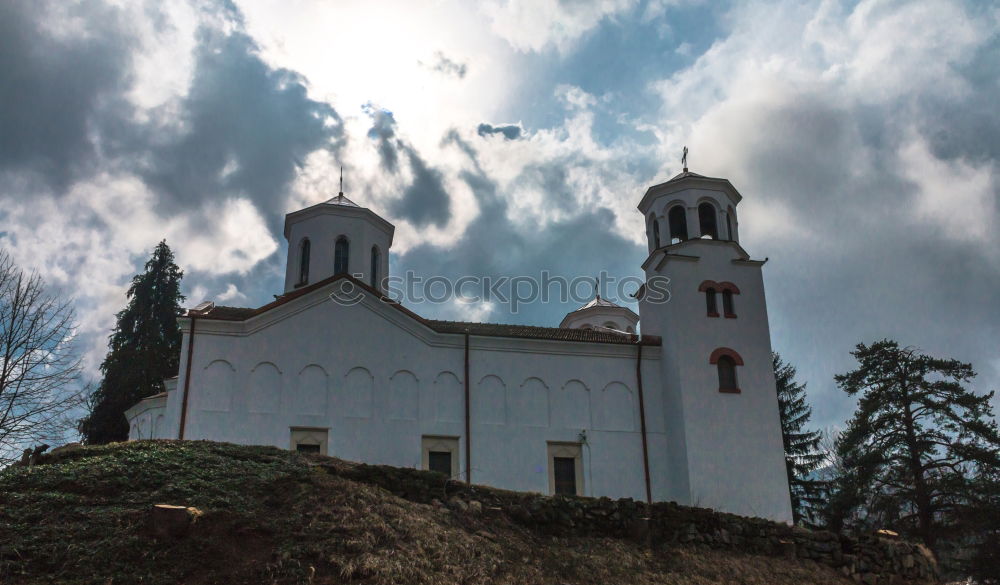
x=341, y=200
x=598, y=312
x=599, y=302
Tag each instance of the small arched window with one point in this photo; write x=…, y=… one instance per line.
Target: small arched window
x=727, y=304
x=656, y=231
x=677, y=219
x=341, y=251
x=376, y=262
x=729, y=226
x=707, y=221
x=710, y=303
x=727, y=374
x=304, y=247
x=725, y=361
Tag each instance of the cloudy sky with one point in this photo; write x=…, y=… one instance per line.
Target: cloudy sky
x=514, y=136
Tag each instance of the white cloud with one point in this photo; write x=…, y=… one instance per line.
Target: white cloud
x=230, y=294
x=955, y=197
x=532, y=25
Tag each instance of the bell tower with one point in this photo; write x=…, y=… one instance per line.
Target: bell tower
x=334, y=237
x=720, y=404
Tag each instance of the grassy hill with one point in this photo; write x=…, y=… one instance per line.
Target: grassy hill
x=273, y=516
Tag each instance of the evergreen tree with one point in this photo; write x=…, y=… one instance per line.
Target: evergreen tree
x=802, y=455
x=916, y=440
x=143, y=350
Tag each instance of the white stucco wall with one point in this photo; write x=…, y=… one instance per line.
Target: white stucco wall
x=731, y=442
x=148, y=419
x=379, y=381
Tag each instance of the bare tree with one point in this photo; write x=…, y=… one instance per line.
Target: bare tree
x=40, y=372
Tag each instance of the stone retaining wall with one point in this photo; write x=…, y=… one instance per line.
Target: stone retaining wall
x=873, y=559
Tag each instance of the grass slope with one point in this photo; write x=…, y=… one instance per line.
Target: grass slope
x=272, y=516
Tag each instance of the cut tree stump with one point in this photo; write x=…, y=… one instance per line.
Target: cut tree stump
x=171, y=521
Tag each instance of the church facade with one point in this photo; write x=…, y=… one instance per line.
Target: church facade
x=675, y=403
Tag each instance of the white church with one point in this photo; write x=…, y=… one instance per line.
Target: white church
x=684, y=411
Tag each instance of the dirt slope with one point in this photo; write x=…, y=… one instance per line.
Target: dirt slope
x=271, y=516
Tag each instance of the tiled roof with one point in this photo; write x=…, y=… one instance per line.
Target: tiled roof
x=230, y=313
x=341, y=200
x=485, y=329
x=532, y=332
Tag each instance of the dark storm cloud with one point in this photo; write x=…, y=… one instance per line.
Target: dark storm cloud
x=509, y=131
x=861, y=265
x=383, y=132
x=425, y=200
x=443, y=64
x=242, y=130
x=52, y=89
x=246, y=128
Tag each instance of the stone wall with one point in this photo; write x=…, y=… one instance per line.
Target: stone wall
x=872, y=559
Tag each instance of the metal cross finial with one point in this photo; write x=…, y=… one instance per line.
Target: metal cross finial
x=597, y=288
x=341, y=179
x=684, y=159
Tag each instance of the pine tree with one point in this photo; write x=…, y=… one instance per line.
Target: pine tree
x=143, y=350
x=917, y=438
x=802, y=455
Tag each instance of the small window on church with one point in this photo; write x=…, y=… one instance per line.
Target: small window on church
x=376, y=262
x=727, y=304
x=707, y=221
x=565, y=469
x=440, y=454
x=729, y=226
x=656, y=231
x=727, y=374
x=304, y=261
x=677, y=218
x=341, y=251
x=439, y=461
x=309, y=440
x=711, y=303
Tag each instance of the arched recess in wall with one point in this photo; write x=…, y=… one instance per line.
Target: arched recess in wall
x=677, y=222
x=708, y=220
x=616, y=408
x=158, y=430
x=140, y=428
x=570, y=406
x=358, y=388
x=216, y=391
x=404, y=396
x=133, y=434
x=313, y=392
x=488, y=401
x=528, y=403
x=264, y=388
x=448, y=400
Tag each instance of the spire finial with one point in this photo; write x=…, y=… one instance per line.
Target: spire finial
x=597, y=288
x=341, y=180
x=684, y=159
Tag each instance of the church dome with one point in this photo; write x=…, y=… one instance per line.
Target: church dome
x=601, y=314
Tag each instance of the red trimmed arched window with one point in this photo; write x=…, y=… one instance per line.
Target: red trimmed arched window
x=725, y=361
x=710, y=288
